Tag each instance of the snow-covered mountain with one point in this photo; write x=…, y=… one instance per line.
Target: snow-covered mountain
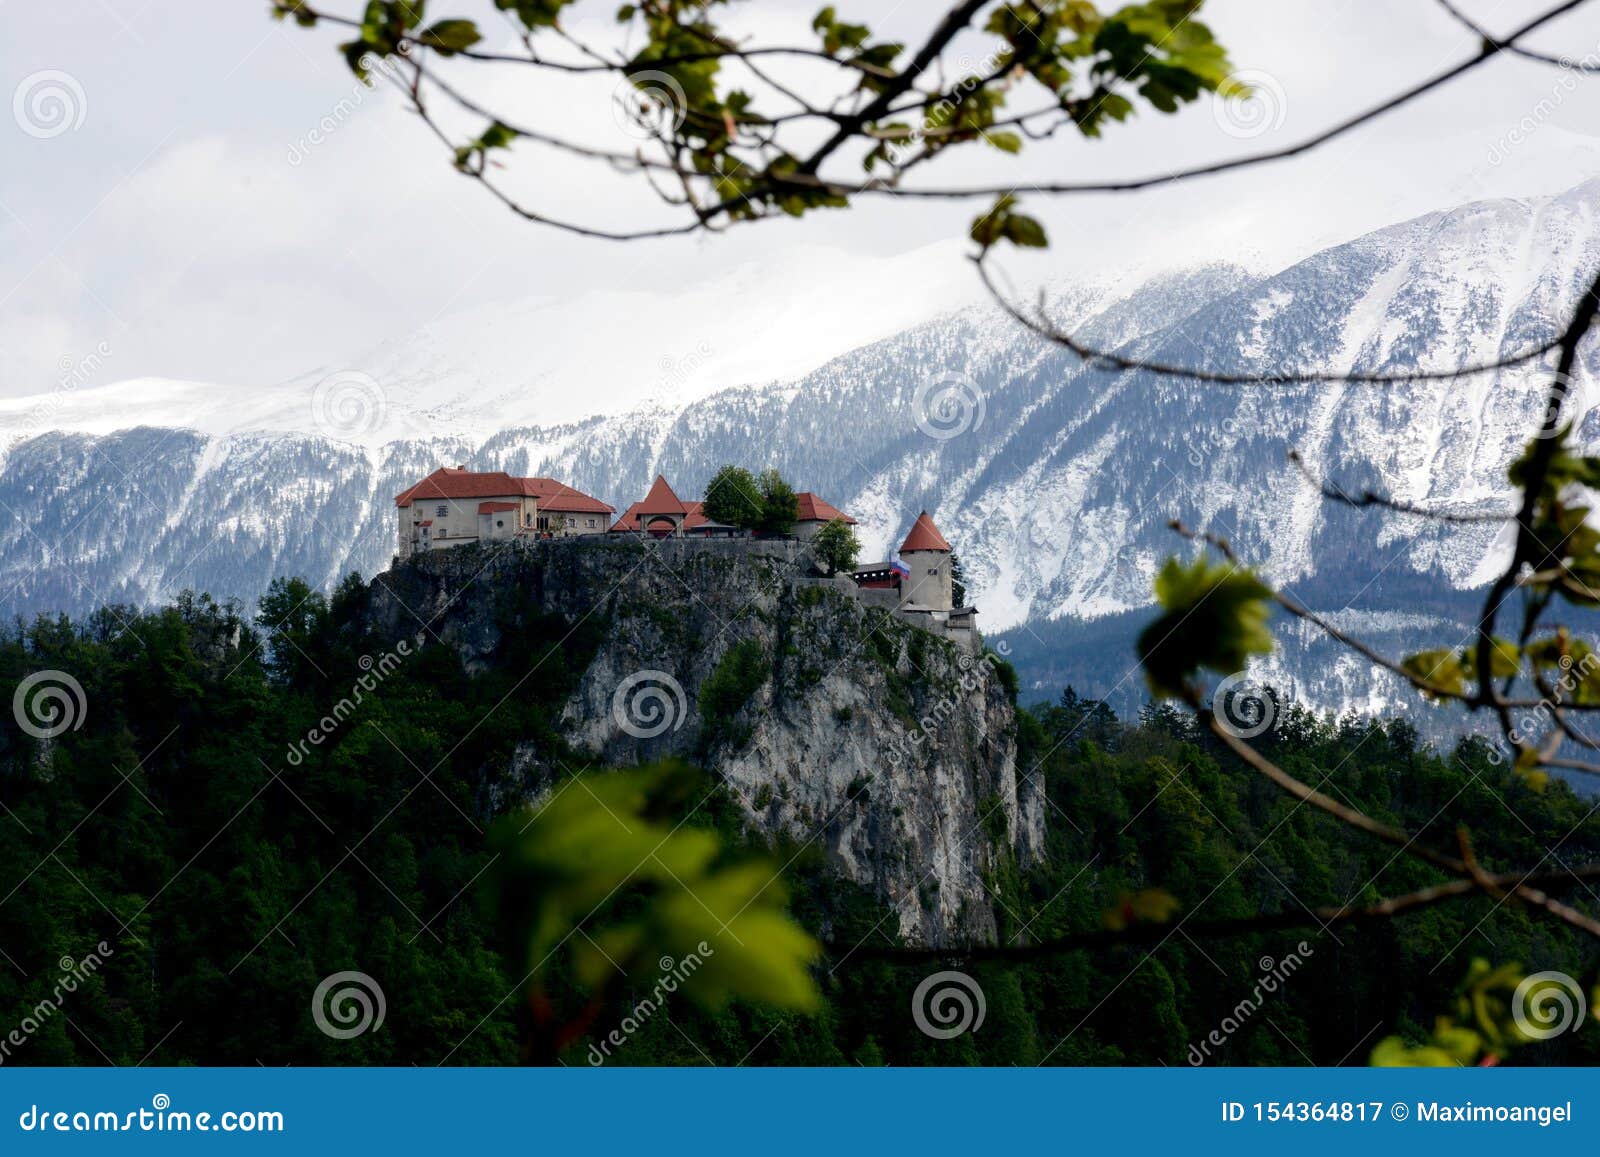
x=1055, y=481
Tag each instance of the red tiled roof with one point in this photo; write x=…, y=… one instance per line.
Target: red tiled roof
x=814, y=509
x=448, y=482
x=495, y=507
x=924, y=536
x=559, y=498
x=693, y=517
x=661, y=500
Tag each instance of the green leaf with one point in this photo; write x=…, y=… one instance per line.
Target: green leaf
x=534, y=13
x=497, y=136
x=1393, y=1052
x=1025, y=231
x=1216, y=618
x=450, y=36
x=1001, y=224
x=1442, y=669
x=607, y=855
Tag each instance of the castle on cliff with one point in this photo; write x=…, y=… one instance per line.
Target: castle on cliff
x=455, y=506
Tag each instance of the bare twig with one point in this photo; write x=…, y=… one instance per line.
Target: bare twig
x=1587, y=64
x=1151, y=932
x=1336, y=493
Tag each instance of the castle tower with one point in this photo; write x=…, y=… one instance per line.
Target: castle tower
x=926, y=555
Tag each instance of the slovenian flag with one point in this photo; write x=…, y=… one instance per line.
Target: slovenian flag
x=899, y=567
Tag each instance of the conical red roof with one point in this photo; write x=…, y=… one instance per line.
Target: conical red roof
x=924, y=536
x=661, y=500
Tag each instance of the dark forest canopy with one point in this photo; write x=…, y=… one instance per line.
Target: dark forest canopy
x=229, y=868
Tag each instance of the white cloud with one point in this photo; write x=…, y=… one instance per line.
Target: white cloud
x=235, y=209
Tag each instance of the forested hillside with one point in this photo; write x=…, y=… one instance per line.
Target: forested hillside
x=230, y=866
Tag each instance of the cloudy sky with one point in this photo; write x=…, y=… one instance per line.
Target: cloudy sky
x=184, y=220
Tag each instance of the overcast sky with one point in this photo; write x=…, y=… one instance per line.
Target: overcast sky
x=184, y=218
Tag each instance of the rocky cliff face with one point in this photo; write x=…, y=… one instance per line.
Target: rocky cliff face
x=831, y=723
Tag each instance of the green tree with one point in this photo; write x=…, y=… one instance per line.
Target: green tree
x=836, y=547
x=183, y=712
x=291, y=614
x=723, y=694
x=734, y=497
x=780, y=507
x=958, y=581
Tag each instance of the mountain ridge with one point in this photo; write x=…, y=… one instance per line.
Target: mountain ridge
x=1030, y=483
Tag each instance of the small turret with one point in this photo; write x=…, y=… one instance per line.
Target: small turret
x=926, y=556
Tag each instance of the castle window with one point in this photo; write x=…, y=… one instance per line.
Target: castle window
x=441, y=511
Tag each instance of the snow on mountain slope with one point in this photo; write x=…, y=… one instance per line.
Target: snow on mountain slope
x=1055, y=481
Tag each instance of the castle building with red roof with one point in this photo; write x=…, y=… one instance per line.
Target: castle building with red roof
x=815, y=514
x=454, y=506
x=919, y=581
x=930, y=581
x=662, y=514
